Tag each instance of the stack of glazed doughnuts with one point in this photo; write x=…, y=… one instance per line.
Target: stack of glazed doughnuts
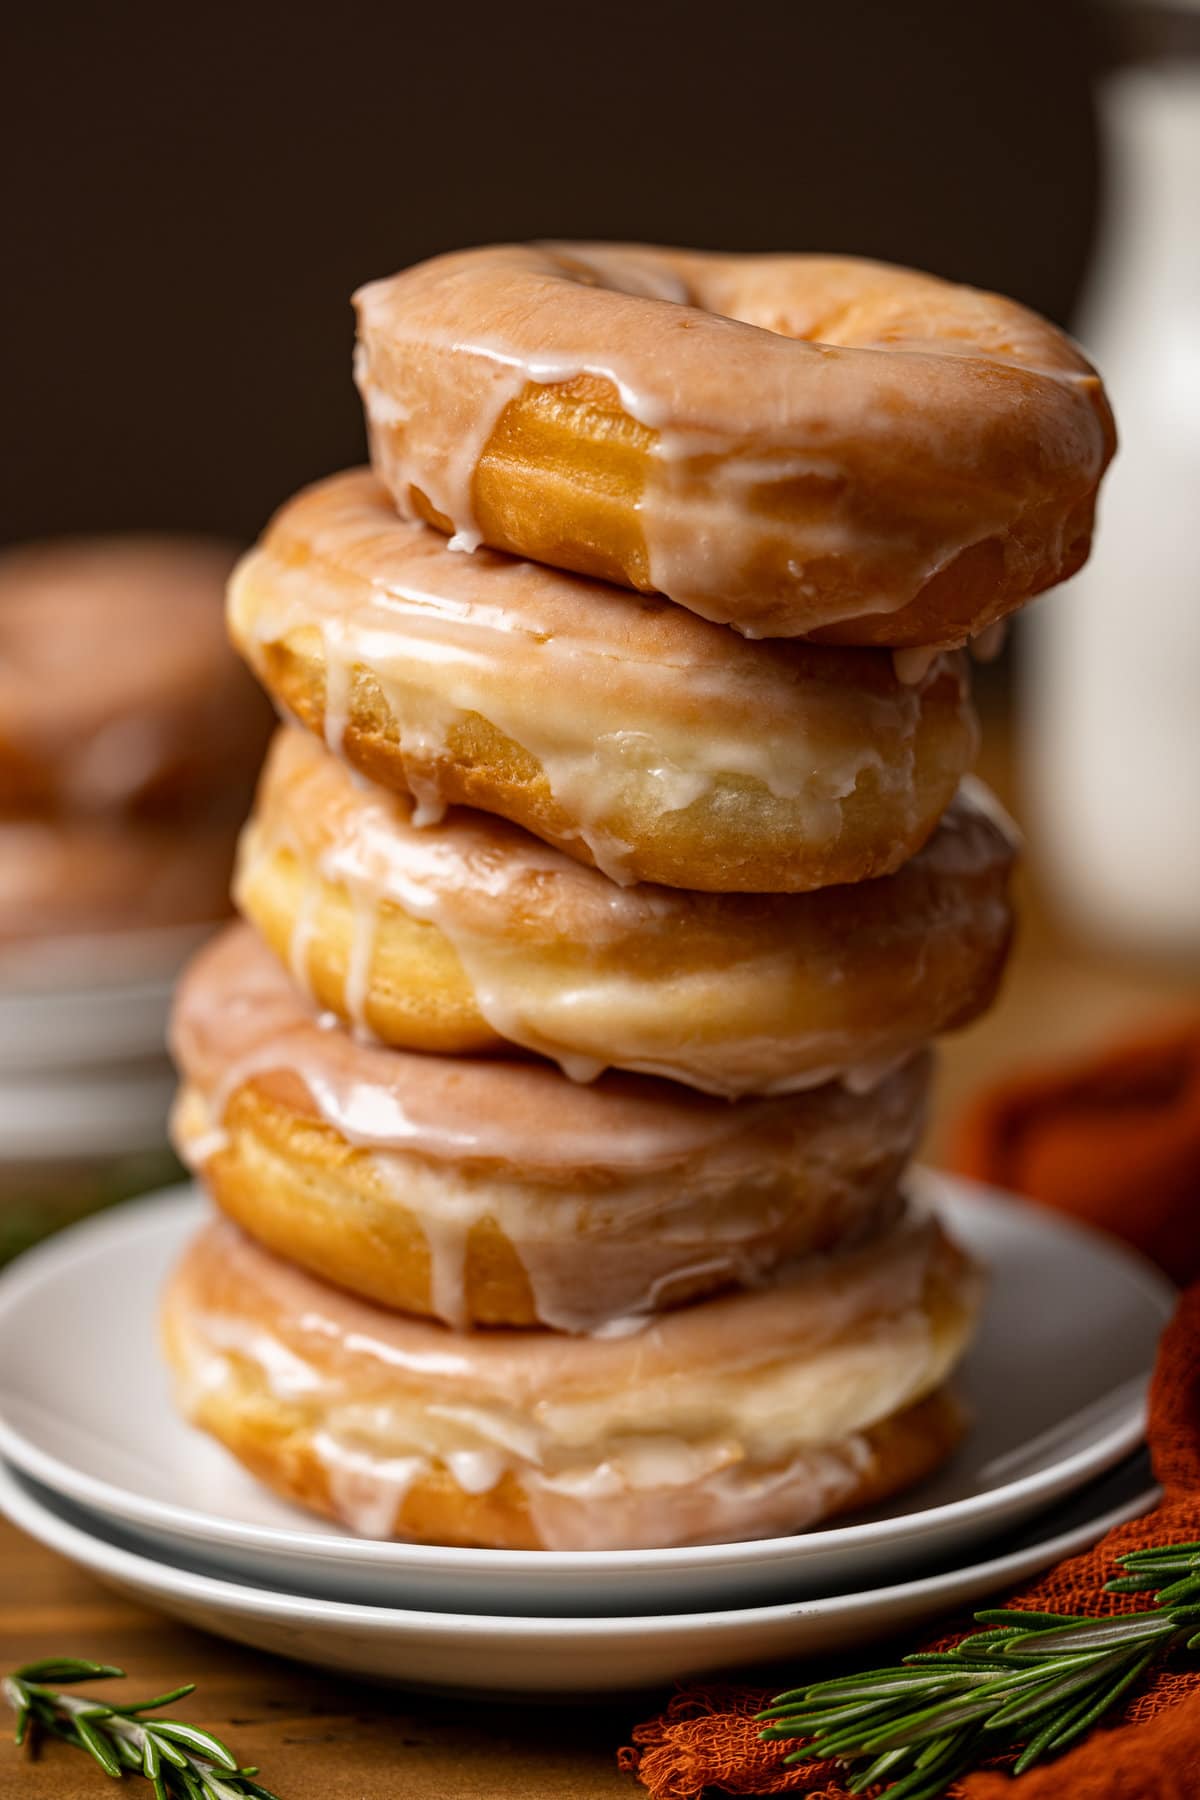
x=614, y=868
x=129, y=740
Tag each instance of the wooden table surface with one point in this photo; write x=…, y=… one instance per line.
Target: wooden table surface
x=315, y=1737
x=320, y=1738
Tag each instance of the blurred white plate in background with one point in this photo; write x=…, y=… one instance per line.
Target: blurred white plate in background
x=73, y=1003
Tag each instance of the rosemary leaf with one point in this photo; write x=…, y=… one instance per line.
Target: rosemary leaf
x=191, y=1737
x=1024, y=1707
x=877, y=1770
x=1133, y=1557
x=180, y=1761
x=1030, y=1621
x=167, y=1749
x=66, y=1669
x=1071, y=1729
x=1180, y=1592
x=219, y=1788
x=131, y=1707
x=151, y=1758
x=1102, y=1635
x=128, y=1752
x=99, y=1747
x=1034, y=1682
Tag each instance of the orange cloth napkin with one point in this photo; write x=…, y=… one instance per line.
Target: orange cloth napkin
x=1117, y=1142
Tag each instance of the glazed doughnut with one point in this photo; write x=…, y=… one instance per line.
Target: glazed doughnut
x=738, y=1417
x=482, y=1191
x=118, y=690
x=467, y=934
x=72, y=879
x=794, y=445
x=625, y=730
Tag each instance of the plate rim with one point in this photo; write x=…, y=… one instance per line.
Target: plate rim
x=109, y=1559
x=41, y=1264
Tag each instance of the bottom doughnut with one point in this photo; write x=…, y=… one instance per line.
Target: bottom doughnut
x=743, y=1416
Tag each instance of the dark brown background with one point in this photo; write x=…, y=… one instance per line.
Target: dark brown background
x=194, y=192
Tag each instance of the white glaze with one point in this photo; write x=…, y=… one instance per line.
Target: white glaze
x=913, y=663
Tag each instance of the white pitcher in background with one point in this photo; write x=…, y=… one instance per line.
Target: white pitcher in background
x=1111, y=664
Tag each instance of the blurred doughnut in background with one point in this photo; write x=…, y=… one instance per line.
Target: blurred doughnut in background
x=130, y=738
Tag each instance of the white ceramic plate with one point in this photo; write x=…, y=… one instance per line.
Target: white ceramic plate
x=502, y=1655
x=70, y=1003
x=120, y=1109
x=1056, y=1382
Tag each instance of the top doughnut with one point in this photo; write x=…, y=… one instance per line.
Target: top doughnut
x=798, y=446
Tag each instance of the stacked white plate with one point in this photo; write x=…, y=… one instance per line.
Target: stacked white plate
x=85, y=1083
x=97, y=1466
x=75, y=1003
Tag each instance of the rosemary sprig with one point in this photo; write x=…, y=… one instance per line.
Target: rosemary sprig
x=181, y=1761
x=1032, y=1680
